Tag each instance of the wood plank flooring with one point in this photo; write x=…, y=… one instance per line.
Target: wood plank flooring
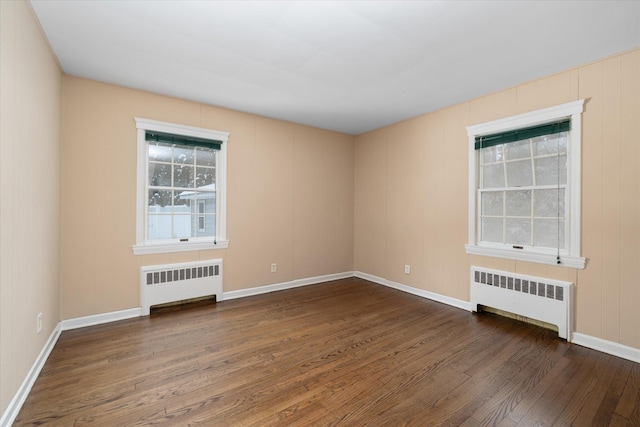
x=348, y=353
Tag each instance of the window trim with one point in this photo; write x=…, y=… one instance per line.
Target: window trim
x=141, y=247
x=571, y=258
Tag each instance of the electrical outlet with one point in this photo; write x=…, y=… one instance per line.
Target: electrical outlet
x=274, y=267
x=39, y=323
x=407, y=269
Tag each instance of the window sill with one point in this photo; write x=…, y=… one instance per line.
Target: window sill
x=518, y=255
x=178, y=247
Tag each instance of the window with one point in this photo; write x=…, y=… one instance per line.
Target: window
x=181, y=191
x=524, y=187
x=202, y=218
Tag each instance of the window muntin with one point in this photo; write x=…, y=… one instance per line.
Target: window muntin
x=498, y=180
x=181, y=195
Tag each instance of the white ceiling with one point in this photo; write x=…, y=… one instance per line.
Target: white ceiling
x=349, y=66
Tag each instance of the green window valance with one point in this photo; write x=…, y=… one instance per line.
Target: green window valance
x=484, y=141
x=189, y=141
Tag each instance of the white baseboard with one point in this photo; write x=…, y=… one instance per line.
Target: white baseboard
x=464, y=305
x=609, y=347
x=97, y=319
x=18, y=400
x=285, y=285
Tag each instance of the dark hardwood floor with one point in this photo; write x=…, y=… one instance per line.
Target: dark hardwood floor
x=348, y=352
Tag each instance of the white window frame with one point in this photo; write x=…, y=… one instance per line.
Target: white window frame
x=570, y=257
x=220, y=241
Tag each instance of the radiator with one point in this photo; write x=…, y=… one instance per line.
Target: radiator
x=533, y=297
x=160, y=284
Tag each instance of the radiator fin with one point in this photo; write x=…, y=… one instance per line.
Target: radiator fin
x=518, y=285
x=176, y=275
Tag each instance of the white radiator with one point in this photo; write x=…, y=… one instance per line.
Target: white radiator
x=533, y=297
x=160, y=284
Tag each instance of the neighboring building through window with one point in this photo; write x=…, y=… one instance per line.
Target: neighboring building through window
x=202, y=214
x=524, y=187
x=181, y=188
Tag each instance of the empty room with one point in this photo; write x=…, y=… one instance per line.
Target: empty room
x=314, y=213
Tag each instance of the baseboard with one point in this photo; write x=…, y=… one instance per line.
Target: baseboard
x=97, y=319
x=10, y=414
x=609, y=347
x=285, y=285
x=464, y=305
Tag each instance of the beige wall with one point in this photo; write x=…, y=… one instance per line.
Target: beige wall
x=29, y=193
x=290, y=197
x=411, y=192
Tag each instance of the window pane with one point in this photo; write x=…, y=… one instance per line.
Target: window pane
x=182, y=201
x=492, y=202
x=159, y=175
x=550, y=144
x=517, y=150
x=158, y=226
x=519, y=173
x=492, y=229
x=205, y=176
x=205, y=157
x=546, y=203
x=209, y=198
x=492, y=154
x=183, y=176
x=493, y=176
x=548, y=168
x=159, y=201
x=518, y=231
x=182, y=226
x=159, y=152
x=518, y=203
x=183, y=155
x=546, y=233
